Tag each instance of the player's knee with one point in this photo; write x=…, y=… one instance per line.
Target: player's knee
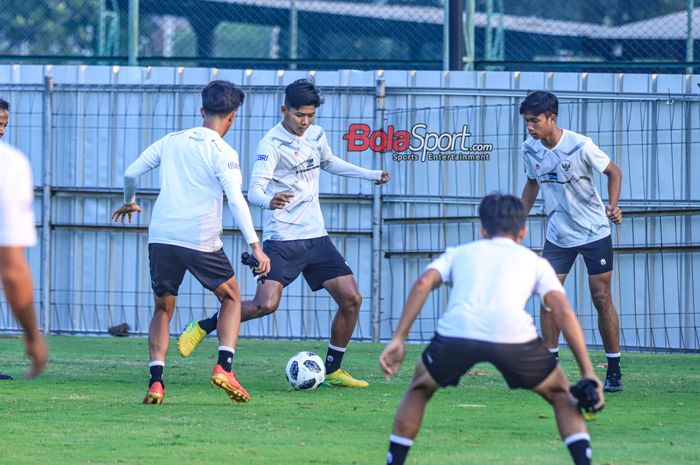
x=266, y=306
x=352, y=301
x=601, y=298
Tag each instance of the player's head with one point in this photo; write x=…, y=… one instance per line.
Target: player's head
x=540, y=109
x=4, y=116
x=502, y=215
x=301, y=98
x=220, y=100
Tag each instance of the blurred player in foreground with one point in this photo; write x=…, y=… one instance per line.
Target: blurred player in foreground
x=17, y=231
x=486, y=321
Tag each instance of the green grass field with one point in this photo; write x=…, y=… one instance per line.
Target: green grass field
x=85, y=409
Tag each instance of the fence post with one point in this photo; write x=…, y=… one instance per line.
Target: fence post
x=47, y=145
x=378, y=164
x=133, y=32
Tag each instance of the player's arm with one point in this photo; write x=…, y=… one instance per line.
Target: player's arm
x=392, y=356
x=565, y=318
x=529, y=195
x=148, y=160
x=263, y=171
x=614, y=174
x=334, y=165
x=229, y=175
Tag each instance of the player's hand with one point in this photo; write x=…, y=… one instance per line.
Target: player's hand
x=263, y=260
x=38, y=353
x=125, y=210
x=391, y=358
x=280, y=200
x=384, y=179
x=614, y=214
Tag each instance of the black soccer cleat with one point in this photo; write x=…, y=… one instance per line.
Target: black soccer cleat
x=6, y=376
x=613, y=383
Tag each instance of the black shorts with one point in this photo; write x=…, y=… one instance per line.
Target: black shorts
x=317, y=258
x=598, y=256
x=522, y=365
x=168, y=264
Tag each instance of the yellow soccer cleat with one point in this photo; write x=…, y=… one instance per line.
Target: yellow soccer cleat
x=192, y=335
x=341, y=378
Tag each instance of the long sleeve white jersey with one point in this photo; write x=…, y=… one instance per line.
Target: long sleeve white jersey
x=291, y=164
x=196, y=167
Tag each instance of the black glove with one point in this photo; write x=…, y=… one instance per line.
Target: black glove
x=586, y=393
x=249, y=260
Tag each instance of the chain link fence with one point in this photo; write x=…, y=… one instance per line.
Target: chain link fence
x=611, y=35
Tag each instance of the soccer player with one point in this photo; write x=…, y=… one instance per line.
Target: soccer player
x=17, y=231
x=285, y=182
x=486, y=321
x=184, y=233
x=561, y=163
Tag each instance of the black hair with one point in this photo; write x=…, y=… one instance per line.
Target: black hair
x=4, y=105
x=219, y=98
x=502, y=215
x=302, y=92
x=539, y=102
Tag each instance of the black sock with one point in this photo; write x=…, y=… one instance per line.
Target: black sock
x=209, y=324
x=580, y=448
x=156, y=374
x=555, y=352
x=613, y=365
x=225, y=357
x=334, y=358
x=398, y=450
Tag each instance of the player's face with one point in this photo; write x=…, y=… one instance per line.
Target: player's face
x=4, y=120
x=298, y=120
x=540, y=126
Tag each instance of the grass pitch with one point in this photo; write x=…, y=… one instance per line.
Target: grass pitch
x=86, y=409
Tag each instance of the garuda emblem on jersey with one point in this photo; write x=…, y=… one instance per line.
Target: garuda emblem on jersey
x=566, y=166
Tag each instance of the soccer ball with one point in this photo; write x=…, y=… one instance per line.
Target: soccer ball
x=305, y=371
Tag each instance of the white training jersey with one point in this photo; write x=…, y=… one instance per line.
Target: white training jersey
x=289, y=163
x=17, y=223
x=196, y=167
x=492, y=281
x=576, y=214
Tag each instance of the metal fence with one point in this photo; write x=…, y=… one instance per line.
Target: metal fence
x=621, y=35
x=96, y=120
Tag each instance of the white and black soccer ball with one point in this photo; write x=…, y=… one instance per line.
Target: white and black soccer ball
x=305, y=371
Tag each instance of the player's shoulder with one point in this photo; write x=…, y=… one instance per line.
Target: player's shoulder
x=531, y=146
x=315, y=133
x=571, y=142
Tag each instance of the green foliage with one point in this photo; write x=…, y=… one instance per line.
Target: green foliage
x=86, y=409
x=49, y=27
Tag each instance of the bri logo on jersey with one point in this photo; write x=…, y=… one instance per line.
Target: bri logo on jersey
x=233, y=165
x=262, y=157
x=552, y=176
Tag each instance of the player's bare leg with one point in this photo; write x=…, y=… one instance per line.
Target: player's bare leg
x=409, y=415
x=609, y=327
x=570, y=422
x=158, y=342
x=228, y=325
x=267, y=300
x=549, y=329
x=346, y=294
x=159, y=329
